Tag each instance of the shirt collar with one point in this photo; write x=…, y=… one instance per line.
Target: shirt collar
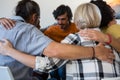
x=17, y=18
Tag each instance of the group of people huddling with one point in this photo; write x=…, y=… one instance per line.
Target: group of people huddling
x=86, y=49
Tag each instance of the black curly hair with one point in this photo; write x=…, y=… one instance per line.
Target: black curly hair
x=106, y=11
x=62, y=9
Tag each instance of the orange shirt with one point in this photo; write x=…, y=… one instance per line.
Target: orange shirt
x=58, y=34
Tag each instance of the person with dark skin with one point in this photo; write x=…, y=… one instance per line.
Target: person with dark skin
x=63, y=15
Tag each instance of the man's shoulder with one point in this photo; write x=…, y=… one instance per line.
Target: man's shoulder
x=20, y=23
x=73, y=24
x=23, y=25
x=52, y=27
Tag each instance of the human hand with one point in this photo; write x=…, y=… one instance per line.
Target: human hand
x=7, y=23
x=5, y=45
x=94, y=35
x=103, y=53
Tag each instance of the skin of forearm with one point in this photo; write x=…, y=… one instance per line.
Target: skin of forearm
x=66, y=51
x=26, y=59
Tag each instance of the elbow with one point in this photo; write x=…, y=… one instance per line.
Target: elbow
x=119, y=51
x=32, y=66
x=52, y=50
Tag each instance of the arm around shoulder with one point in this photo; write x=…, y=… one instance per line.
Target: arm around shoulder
x=67, y=51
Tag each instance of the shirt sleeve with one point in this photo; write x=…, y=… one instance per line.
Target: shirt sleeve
x=47, y=64
x=36, y=41
x=70, y=39
x=27, y=38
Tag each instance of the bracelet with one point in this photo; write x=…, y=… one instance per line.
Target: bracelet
x=93, y=52
x=110, y=39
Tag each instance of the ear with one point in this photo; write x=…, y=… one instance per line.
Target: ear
x=33, y=18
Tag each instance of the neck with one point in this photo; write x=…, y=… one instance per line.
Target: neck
x=66, y=26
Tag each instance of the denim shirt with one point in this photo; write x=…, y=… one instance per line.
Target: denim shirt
x=26, y=38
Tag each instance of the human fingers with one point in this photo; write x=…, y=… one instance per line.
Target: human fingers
x=88, y=34
x=7, y=23
x=104, y=53
x=1, y=47
x=110, y=58
x=7, y=43
x=11, y=23
x=107, y=58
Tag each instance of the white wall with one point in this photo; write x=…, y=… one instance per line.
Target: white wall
x=46, y=6
x=7, y=7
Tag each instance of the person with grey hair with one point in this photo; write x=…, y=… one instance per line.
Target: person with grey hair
x=26, y=11
x=63, y=51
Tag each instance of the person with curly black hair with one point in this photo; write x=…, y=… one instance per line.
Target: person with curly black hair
x=58, y=31
x=31, y=43
x=63, y=15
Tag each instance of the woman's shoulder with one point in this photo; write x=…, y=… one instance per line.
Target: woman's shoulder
x=115, y=26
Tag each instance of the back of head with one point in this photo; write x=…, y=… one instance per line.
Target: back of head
x=87, y=15
x=106, y=11
x=26, y=8
x=62, y=9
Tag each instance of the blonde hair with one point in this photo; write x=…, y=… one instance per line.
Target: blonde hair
x=87, y=15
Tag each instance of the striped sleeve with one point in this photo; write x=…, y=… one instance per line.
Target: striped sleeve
x=47, y=64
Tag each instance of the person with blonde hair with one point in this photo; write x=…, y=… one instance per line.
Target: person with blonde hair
x=90, y=55
x=109, y=27
x=88, y=16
